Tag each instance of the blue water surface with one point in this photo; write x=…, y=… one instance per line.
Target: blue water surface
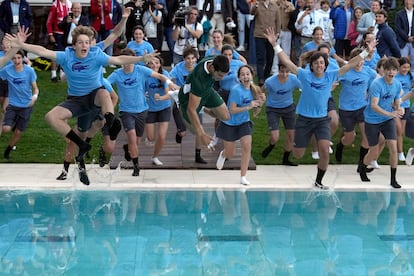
x=216, y=232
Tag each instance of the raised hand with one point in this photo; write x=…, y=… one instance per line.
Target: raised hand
x=271, y=36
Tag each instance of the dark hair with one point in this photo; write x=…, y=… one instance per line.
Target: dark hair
x=317, y=28
x=355, y=52
x=383, y=12
x=324, y=45
x=282, y=66
x=405, y=60
x=20, y=52
x=391, y=63
x=221, y=63
x=380, y=63
x=227, y=47
x=190, y=50
x=138, y=27
x=316, y=56
x=127, y=52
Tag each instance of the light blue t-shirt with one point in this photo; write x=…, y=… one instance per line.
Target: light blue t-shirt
x=313, y=102
x=20, y=84
x=131, y=88
x=83, y=74
x=406, y=84
x=152, y=86
x=280, y=95
x=242, y=97
x=373, y=61
x=214, y=52
x=312, y=46
x=179, y=73
x=355, y=84
x=231, y=79
x=140, y=49
x=387, y=94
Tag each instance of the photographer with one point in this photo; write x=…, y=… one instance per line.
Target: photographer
x=306, y=22
x=151, y=19
x=135, y=18
x=186, y=32
x=72, y=20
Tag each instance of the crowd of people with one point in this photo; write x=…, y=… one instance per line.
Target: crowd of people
x=308, y=45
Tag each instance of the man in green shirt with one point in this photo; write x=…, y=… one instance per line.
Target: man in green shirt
x=198, y=92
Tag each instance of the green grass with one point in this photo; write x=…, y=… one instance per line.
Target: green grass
x=41, y=144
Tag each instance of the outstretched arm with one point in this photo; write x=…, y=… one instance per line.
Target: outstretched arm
x=118, y=29
x=22, y=35
x=355, y=60
x=272, y=38
x=18, y=42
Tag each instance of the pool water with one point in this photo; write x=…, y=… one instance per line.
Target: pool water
x=218, y=232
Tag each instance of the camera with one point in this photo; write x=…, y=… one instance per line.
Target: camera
x=71, y=14
x=147, y=3
x=306, y=8
x=180, y=14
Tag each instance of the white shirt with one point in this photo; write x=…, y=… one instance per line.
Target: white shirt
x=410, y=20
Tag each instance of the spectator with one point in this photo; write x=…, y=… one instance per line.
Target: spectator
x=404, y=28
x=116, y=16
x=186, y=34
x=306, y=22
x=151, y=19
x=325, y=22
x=341, y=15
x=367, y=23
x=218, y=41
x=58, y=11
x=354, y=36
x=285, y=36
x=387, y=41
x=243, y=20
x=14, y=13
x=72, y=20
x=219, y=12
x=171, y=7
x=101, y=19
x=135, y=18
x=266, y=14
x=296, y=33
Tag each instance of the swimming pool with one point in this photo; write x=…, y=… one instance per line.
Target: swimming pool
x=215, y=232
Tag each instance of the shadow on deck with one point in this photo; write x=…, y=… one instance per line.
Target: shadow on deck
x=177, y=156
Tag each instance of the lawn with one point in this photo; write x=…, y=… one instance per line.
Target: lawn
x=41, y=144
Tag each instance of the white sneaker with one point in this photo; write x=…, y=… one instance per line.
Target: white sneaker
x=330, y=150
x=174, y=95
x=156, y=161
x=315, y=155
x=220, y=161
x=244, y=181
x=148, y=142
x=240, y=48
x=374, y=164
x=401, y=156
x=409, y=158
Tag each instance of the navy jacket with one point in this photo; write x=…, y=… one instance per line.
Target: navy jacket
x=401, y=27
x=387, y=42
x=6, y=15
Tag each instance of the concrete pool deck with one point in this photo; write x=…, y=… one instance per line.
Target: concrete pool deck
x=265, y=177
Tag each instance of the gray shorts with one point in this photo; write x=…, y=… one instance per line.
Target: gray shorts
x=81, y=105
x=158, y=116
x=287, y=115
x=133, y=121
x=387, y=128
x=233, y=133
x=17, y=117
x=350, y=118
x=306, y=127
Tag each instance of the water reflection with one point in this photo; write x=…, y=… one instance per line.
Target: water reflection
x=218, y=232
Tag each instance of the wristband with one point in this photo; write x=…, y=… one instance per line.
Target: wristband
x=34, y=96
x=277, y=49
x=363, y=54
x=168, y=82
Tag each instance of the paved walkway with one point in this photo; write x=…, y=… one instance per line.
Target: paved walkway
x=339, y=177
